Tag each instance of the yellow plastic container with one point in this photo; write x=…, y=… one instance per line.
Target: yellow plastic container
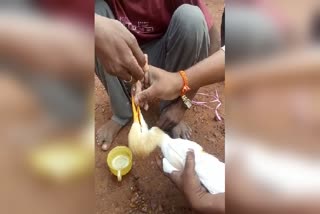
x=119, y=161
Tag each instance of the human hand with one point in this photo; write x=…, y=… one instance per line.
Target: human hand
x=187, y=181
x=118, y=50
x=160, y=84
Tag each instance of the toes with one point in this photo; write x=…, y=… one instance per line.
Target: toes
x=184, y=135
x=99, y=140
x=185, y=131
x=175, y=134
x=189, y=130
x=106, y=134
x=105, y=146
x=188, y=134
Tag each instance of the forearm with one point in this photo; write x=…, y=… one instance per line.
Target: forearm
x=208, y=71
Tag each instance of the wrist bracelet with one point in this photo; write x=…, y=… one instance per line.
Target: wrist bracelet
x=185, y=87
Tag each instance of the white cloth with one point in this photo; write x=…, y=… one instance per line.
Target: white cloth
x=210, y=170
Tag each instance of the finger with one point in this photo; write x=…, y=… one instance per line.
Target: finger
x=146, y=66
x=137, y=52
x=176, y=178
x=159, y=162
x=124, y=75
x=189, y=168
x=146, y=79
x=138, y=90
x=146, y=95
x=134, y=68
x=133, y=90
x=138, y=87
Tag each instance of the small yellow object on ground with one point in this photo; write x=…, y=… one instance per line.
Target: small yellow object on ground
x=61, y=162
x=119, y=161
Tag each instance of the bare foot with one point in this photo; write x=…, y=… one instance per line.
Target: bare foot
x=182, y=130
x=106, y=134
x=172, y=115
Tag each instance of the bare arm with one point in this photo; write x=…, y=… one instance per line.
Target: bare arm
x=208, y=71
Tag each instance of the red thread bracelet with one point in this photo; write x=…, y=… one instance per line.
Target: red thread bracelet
x=185, y=87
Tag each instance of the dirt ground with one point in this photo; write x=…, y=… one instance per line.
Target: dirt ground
x=145, y=189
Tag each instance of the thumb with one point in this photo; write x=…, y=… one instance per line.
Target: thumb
x=146, y=95
x=189, y=167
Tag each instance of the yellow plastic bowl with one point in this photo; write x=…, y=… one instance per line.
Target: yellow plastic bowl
x=119, y=161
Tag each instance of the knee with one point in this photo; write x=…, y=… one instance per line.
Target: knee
x=190, y=19
x=103, y=9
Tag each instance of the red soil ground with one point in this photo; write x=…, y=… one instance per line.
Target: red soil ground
x=145, y=189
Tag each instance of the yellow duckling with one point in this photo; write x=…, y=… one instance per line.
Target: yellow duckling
x=139, y=139
x=142, y=141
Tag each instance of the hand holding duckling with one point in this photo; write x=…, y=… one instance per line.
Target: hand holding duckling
x=188, y=182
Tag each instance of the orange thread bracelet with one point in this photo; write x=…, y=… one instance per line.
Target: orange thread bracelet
x=185, y=87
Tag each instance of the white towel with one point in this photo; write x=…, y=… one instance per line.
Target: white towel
x=210, y=170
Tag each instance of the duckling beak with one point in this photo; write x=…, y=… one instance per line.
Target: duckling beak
x=135, y=111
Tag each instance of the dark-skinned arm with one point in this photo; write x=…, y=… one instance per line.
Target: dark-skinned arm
x=208, y=71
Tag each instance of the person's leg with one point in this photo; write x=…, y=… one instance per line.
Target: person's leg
x=119, y=99
x=187, y=38
x=185, y=43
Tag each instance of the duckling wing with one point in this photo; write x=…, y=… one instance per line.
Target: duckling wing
x=175, y=150
x=211, y=172
x=167, y=167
